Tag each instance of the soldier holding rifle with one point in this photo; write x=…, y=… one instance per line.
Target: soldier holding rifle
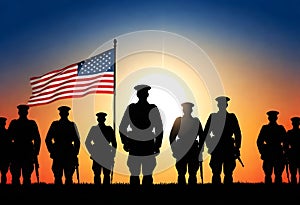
x=223, y=140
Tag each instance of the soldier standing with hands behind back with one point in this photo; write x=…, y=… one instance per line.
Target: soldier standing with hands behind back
x=63, y=144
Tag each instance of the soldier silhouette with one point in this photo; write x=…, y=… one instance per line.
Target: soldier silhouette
x=270, y=144
x=101, y=144
x=26, y=142
x=141, y=133
x=5, y=150
x=293, y=150
x=223, y=140
x=186, y=140
x=63, y=143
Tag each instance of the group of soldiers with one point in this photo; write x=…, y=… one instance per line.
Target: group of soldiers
x=141, y=133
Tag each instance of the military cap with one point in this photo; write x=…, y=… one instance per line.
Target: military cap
x=272, y=113
x=3, y=119
x=23, y=107
x=142, y=87
x=187, y=104
x=295, y=119
x=64, y=108
x=222, y=99
x=101, y=114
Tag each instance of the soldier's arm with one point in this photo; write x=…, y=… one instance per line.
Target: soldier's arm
x=123, y=126
x=261, y=139
x=113, y=137
x=76, y=139
x=49, y=138
x=158, y=126
x=201, y=136
x=175, y=129
x=89, y=139
x=237, y=132
x=36, y=138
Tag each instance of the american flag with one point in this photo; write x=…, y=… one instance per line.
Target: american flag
x=93, y=75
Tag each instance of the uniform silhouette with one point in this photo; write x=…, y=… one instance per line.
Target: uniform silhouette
x=63, y=143
x=223, y=140
x=293, y=150
x=5, y=150
x=270, y=144
x=141, y=133
x=101, y=144
x=186, y=140
x=26, y=142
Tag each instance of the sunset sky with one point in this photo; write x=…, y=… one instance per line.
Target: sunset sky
x=252, y=46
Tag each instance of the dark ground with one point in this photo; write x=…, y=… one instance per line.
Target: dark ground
x=238, y=193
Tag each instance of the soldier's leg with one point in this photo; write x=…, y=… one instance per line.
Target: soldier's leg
x=216, y=168
x=268, y=170
x=193, y=167
x=106, y=176
x=229, y=166
x=4, y=169
x=293, y=172
x=57, y=170
x=134, y=165
x=15, y=170
x=97, y=172
x=69, y=170
x=148, y=166
x=278, y=170
x=181, y=167
x=27, y=170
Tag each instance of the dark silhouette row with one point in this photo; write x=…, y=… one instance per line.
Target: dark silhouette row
x=141, y=132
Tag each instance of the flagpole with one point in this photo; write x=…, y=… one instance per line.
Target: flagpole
x=115, y=77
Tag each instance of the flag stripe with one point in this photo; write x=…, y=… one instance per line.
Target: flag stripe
x=92, y=76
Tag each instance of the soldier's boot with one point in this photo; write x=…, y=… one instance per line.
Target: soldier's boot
x=69, y=180
x=192, y=180
x=97, y=180
x=216, y=179
x=58, y=181
x=181, y=180
x=293, y=179
x=106, y=180
x=15, y=181
x=228, y=179
x=3, y=179
x=26, y=181
x=278, y=179
x=147, y=180
x=134, y=180
x=268, y=179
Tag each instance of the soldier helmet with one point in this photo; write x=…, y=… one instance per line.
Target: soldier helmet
x=272, y=113
x=64, y=108
x=187, y=104
x=222, y=99
x=23, y=107
x=295, y=119
x=101, y=114
x=3, y=120
x=142, y=87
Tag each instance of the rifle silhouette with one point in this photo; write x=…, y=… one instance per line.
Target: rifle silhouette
x=201, y=171
x=36, y=167
x=240, y=160
x=77, y=170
